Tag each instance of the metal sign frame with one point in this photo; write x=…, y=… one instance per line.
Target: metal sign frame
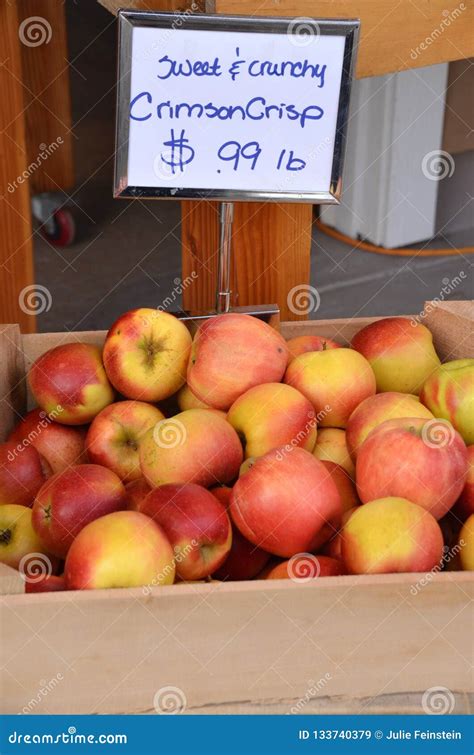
x=128, y=20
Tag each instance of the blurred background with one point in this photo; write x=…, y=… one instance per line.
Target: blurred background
x=408, y=183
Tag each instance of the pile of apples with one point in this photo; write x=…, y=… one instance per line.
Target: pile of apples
x=237, y=455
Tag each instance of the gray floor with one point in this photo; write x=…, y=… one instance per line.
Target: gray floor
x=129, y=252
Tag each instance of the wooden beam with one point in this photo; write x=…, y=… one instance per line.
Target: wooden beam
x=46, y=96
x=16, y=244
x=394, y=36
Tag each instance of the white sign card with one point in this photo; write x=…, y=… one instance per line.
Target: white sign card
x=232, y=107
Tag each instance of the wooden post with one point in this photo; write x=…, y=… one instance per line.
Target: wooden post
x=47, y=98
x=16, y=243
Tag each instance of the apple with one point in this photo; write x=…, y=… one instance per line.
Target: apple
x=18, y=540
x=137, y=490
x=197, y=445
x=232, y=353
x=466, y=540
x=246, y=465
x=331, y=445
x=376, y=409
x=302, y=344
x=114, y=436
x=61, y=446
x=333, y=547
x=391, y=535
x=400, y=351
x=146, y=354
x=286, y=503
x=22, y=472
x=449, y=393
x=271, y=415
x=71, y=499
x=122, y=549
x=48, y=583
x=335, y=381
x=69, y=383
x=422, y=460
x=196, y=524
x=464, y=506
x=344, y=484
x=305, y=566
x=187, y=400
x=244, y=560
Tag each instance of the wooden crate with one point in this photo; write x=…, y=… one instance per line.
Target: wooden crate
x=350, y=644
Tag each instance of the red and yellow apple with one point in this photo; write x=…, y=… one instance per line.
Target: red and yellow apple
x=146, y=354
x=271, y=415
x=333, y=547
x=114, y=436
x=304, y=567
x=422, y=460
x=302, y=344
x=335, y=381
x=187, y=400
x=137, y=491
x=69, y=383
x=466, y=541
x=391, y=535
x=22, y=472
x=61, y=446
x=197, y=445
x=244, y=560
x=232, y=353
x=344, y=484
x=18, y=538
x=331, y=445
x=400, y=351
x=195, y=523
x=449, y=393
x=122, y=549
x=377, y=409
x=286, y=503
x=71, y=499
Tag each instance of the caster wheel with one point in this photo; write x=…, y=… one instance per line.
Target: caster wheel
x=61, y=230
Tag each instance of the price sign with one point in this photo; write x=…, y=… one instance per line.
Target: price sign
x=232, y=108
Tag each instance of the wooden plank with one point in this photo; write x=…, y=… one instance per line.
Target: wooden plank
x=46, y=95
x=12, y=384
x=394, y=36
x=165, y=5
x=16, y=243
x=241, y=647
